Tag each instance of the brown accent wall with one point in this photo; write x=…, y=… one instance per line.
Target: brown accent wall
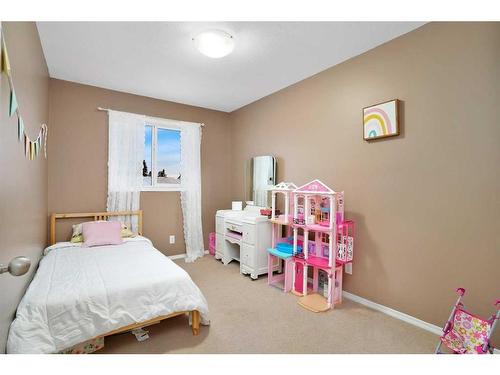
x=23, y=187
x=79, y=153
x=426, y=203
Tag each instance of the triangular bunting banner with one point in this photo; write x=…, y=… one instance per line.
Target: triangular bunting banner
x=31, y=148
x=26, y=145
x=45, y=132
x=12, y=102
x=5, y=60
x=20, y=128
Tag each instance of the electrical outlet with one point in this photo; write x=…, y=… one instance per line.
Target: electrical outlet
x=348, y=268
x=172, y=239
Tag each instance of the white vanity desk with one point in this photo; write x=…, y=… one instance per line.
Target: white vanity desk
x=243, y=236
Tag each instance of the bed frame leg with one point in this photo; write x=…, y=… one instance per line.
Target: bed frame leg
x=195, y=322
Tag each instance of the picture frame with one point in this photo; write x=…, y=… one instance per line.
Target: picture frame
x=381, y=120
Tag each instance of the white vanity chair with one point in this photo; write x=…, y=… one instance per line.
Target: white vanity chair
x=243, y=236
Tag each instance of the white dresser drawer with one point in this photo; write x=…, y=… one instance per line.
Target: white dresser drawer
x=234, y=227
x=247, y=254
x=249, y=234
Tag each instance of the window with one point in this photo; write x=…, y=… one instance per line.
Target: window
x=162, y=157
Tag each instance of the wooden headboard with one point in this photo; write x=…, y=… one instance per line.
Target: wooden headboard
x=94, y=215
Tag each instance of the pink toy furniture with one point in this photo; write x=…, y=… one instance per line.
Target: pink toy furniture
x=465, y=333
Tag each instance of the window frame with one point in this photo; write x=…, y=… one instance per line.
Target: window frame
x=157, y=123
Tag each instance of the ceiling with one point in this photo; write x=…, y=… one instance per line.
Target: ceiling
x=158, y=59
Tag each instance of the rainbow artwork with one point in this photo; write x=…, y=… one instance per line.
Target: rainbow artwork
x=381, y=120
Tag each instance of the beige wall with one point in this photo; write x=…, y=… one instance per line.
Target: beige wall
x=23, y=187
x=426, y=203
x=78, y=146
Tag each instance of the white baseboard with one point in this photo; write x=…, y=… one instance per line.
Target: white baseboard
x=378, y=307
x=178, y=256
x=398, y=315
x=394, y=313
x=181, y=256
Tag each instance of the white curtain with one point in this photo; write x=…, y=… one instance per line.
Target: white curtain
x=125, y=155
x=191, y=191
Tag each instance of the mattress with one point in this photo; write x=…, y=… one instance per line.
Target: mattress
x=79, y=293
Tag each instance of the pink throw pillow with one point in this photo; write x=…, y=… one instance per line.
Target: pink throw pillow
x=98, y=233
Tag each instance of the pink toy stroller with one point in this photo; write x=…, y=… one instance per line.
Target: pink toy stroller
x=465, y=333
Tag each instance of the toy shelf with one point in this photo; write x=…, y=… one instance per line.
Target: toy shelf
x=278, y=253
x=314, y=228
x=281, y=221
x=317, y=262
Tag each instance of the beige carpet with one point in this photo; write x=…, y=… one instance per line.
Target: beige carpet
x=251, y=317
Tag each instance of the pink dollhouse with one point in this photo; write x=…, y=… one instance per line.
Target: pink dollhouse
x=322, y=242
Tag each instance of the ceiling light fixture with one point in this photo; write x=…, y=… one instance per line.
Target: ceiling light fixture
x=214, y=43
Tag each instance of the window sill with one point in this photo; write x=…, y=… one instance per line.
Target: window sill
x=163, y=188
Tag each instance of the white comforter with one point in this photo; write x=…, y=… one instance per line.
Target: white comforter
x=79, y=293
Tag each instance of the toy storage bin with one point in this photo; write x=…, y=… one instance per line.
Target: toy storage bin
x=211, y=243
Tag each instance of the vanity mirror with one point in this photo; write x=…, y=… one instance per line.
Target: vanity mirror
x=263, y=179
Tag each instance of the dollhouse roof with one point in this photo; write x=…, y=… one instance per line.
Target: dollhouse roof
x=285, y=186
x=314, y=187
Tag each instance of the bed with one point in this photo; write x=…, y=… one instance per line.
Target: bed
x=82, y=294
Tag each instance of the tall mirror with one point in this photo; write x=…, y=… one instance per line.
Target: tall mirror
x=263, y=179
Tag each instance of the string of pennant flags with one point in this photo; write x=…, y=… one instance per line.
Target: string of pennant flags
x=31, y=148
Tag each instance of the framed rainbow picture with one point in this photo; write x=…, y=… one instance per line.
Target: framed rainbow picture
x=381, y=120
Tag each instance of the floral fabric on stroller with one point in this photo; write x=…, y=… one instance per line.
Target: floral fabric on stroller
x=465, y=333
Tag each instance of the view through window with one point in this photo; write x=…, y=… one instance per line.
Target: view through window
x=162, y=157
